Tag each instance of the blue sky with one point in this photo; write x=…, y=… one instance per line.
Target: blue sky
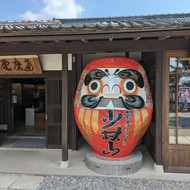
x=48, y=9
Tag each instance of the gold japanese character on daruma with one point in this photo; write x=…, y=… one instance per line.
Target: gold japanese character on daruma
x=113, y=105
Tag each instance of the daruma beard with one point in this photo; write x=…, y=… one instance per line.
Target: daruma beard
x=113, y=105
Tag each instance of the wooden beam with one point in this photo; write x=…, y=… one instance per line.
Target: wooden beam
x=187, y=37
x=78, y=47
x=92, y=36
x=110, y=39
x=84, y=40
x=164, y=37
x=37, y=42
x=12, y=42
x=58, y=41
x=158, y=106
x=64, y=107
x=136, y=38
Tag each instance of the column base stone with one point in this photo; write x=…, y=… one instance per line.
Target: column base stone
x=123, y=166
x=64, y=164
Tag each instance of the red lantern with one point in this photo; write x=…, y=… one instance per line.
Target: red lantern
x=113, y=105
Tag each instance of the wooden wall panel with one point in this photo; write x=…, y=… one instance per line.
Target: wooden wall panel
x=54, y=113
x=54, y=136
x=179, y=158
x=149, y=140
x=149, y=64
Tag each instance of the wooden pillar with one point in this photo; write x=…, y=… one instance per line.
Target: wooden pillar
x=9, y=107
x=74, y=130
x=79, y=69
x=64, y=107
x=159, y=99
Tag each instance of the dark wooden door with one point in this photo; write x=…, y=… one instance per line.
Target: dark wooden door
x=53, y=113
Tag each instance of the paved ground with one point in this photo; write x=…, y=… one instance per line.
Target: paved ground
x=19, y=181
x=52, y=182
x=30, y=169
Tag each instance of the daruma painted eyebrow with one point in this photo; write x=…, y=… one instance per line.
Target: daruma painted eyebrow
x=94, y=74
x=130, y=73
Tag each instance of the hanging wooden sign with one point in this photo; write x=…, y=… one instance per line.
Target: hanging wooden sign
x=21, y=64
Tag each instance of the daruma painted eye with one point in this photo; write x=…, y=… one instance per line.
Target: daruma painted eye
x=94, y=86
x=129, y=86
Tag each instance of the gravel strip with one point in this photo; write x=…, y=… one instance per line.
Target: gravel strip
x=108, y=183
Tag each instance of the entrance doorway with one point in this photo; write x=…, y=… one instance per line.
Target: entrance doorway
x=28, y=104
x=24, y=113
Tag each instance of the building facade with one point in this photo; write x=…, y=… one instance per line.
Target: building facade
x=44, y=59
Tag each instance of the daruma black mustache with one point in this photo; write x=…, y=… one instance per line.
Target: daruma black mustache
x=90, y=101
x=127, y=102
x=133, y=102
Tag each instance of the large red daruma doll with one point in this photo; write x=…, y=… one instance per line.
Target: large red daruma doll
x=113, y=105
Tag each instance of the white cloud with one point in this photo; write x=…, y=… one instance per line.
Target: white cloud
x=54, y=9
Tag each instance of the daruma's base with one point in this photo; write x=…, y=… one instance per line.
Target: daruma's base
x=125, y=166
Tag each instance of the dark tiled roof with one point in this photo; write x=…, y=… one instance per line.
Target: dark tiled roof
x=105, y=24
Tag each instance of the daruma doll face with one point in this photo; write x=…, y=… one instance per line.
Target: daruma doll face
x=113, y=105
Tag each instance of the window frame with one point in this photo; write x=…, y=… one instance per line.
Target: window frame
x=177, y=55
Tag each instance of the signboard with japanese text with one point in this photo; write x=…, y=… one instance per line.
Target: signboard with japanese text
x=21, y=64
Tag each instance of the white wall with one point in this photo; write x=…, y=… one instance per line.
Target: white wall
x=51, y=62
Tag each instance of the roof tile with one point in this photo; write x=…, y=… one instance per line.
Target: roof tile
x=108, y=23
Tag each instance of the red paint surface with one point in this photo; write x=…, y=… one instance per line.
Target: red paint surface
x=97, y=142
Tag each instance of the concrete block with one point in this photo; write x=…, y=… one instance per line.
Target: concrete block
x=114, y=167
x=64, y=164
x=158, y=168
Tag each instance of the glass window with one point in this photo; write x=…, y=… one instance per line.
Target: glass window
x=172, y=101
x=173, y=64
x=172, y=109
x=184, y=65
x=183, y=136
x=184, y=109
x=179, y=101
x=172, y=136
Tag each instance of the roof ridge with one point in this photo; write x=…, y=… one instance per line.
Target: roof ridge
x=124, y=17
x=106, y=19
